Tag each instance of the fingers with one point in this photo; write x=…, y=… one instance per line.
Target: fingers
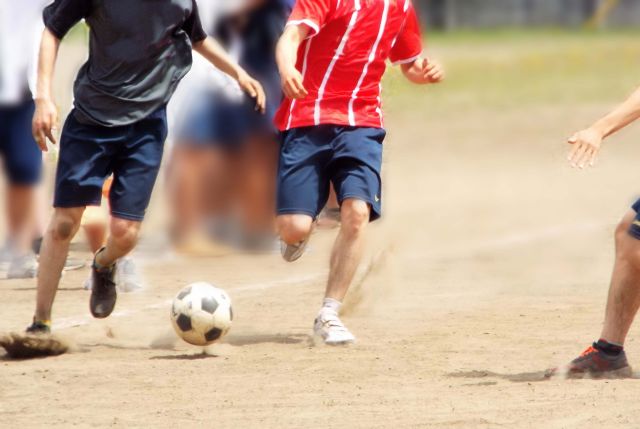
x=49, y=132
x=300, y=89
x=261, y=98
x=293, y=88
x=40, y=134
x=433, y=72
x=583, y=155
x=249, y=88
x=573, y=139
x=574, y=150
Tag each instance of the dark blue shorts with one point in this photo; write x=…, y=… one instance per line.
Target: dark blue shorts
x=313, y=157
x=213, y=121
x=22, y=156
x=91, y=153
x=634, y=229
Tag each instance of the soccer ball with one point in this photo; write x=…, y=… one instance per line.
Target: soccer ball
x=201, y=314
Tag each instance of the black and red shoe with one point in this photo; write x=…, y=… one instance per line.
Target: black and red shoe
x=596, y=363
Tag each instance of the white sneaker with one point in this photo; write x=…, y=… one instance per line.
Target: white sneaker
x=127, y=278
x=330, y=328
x=5, y=257
x=88, y=283
x=23, y=267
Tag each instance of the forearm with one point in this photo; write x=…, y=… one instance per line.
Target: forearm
x=49, y=46
x=287, y=48
x=213, y=52
x=623, y=115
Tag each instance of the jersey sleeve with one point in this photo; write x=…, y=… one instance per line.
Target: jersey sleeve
x=193, y=26
x=312, y=13
x=408, y=44
x=61, y=15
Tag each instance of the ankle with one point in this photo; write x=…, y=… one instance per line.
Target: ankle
x=331, y=305
x=99, y=263
x=609, y=348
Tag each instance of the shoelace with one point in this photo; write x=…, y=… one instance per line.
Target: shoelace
x=588, y=351
x=333, y=322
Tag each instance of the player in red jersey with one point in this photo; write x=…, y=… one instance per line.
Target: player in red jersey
x=332, y=57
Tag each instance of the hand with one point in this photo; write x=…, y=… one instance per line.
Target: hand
x=292, y=84
x=585, y=147
x=45, y=120
x=424, y=71
x=254, y=89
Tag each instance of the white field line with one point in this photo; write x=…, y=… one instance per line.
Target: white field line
x=511, y=240
x=503, y=242
x=72, y=322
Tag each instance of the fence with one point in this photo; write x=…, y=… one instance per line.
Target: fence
x=451, y=14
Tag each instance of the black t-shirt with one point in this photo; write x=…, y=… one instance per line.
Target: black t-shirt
x=139, y=51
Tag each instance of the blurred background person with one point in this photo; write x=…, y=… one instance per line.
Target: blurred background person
x=20, y=28
x=222, y=171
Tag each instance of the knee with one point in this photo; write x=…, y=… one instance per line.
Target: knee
x=125, y=232
x=354, y=216
x=294, y=228
x=64, y=226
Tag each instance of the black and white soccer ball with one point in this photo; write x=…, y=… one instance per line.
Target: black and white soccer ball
x=201, y=314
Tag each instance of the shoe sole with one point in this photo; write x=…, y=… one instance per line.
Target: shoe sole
x=626, y=372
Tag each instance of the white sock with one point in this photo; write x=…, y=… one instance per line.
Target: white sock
x=330, y=304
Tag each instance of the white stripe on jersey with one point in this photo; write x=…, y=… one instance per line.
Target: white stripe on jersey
x=304, y=72
x=372, y=56
x=336, y=56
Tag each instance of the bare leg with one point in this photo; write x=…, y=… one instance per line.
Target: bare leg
x=96, y=234
x=348, y=248
x=624, y=293
x=294, y=228
x=63, y=227
x=21, y=217
x=257, y=185
x=122, y=239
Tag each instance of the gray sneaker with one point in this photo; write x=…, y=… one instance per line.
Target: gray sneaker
x=293, y=252
x=23, y=267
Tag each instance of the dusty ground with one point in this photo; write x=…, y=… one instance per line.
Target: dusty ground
x=490, y=266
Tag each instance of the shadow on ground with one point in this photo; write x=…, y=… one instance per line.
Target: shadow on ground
x=196, y=356
x=249, y=340
x=523, y=377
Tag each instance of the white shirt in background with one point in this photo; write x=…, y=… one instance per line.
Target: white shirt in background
x=20, y=30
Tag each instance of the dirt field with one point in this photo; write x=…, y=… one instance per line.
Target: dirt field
x=490, y=266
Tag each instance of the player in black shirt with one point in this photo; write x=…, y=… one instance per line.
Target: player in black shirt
x=139, y=51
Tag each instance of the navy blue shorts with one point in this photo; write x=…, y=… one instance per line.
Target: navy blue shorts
x=91, y=153
x=634, y=229
x=22, y=156
x=313, y=157
x=213, y=121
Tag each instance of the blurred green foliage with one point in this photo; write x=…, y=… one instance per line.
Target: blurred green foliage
x=511, y=68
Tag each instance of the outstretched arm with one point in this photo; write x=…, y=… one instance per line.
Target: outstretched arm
x=287, y=57
x=45, y=117
x=585, y=144
x=213, y=52
x=423, y=71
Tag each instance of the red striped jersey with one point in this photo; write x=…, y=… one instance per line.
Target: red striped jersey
x=344, y=58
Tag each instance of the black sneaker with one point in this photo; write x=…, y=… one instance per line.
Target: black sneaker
x=595, y=363
x=38, y=327
x=103, y=291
